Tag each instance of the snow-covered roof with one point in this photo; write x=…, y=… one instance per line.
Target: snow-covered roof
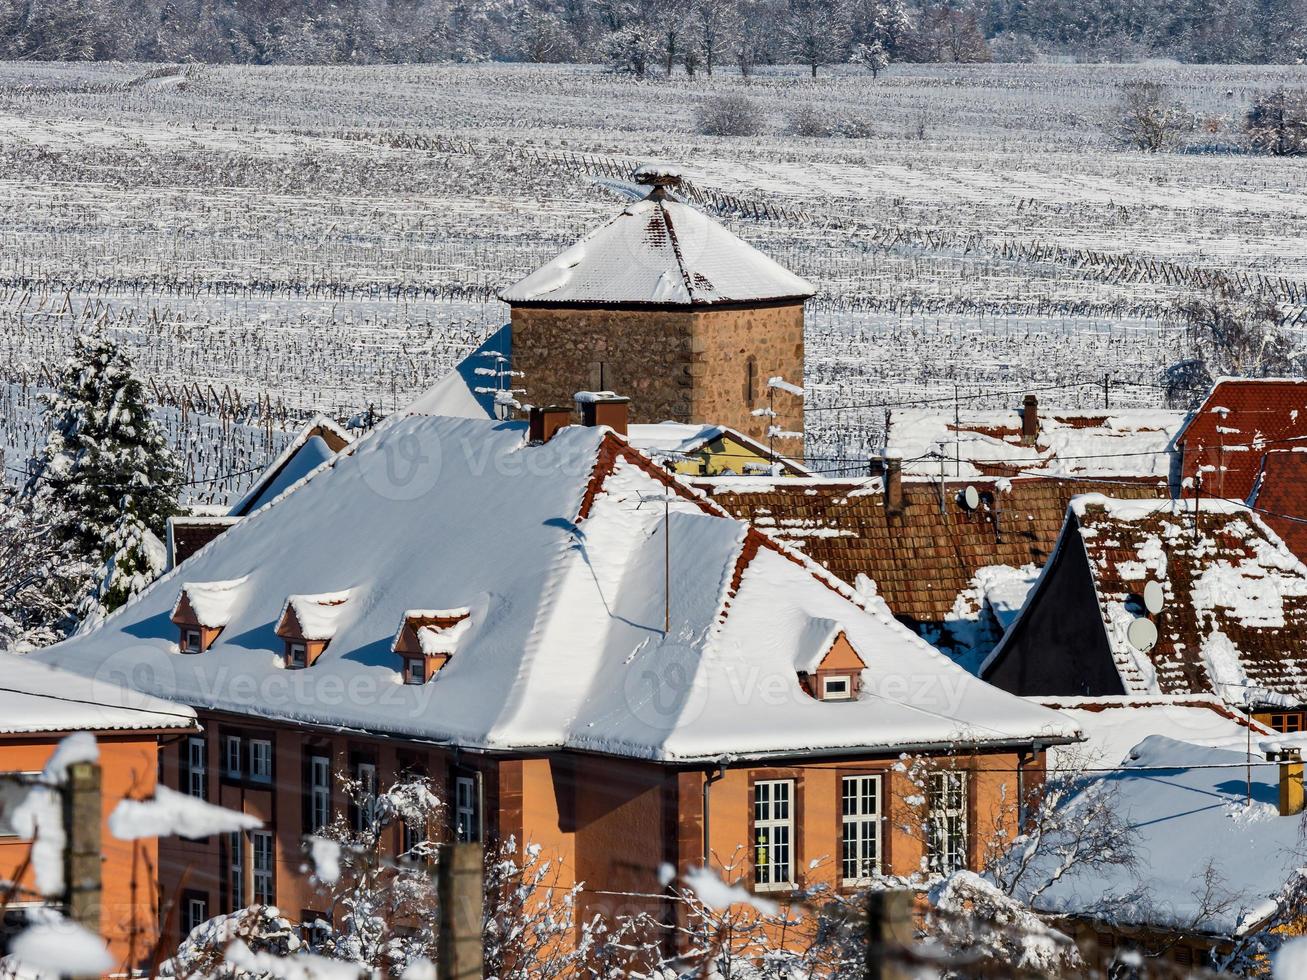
x=318, y=616
x=663, y=252
x=1115, y=724
x=562, y=571
x=39, y=698
x=1234, y=617
x=456, y=394
x=1187, y=803
x=211, y=602
x=316, y=442
x=1126, y=442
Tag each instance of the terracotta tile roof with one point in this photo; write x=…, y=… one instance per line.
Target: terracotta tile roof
x=1236, y=599
x=923, y=561
x=1281, y=496
x=1240, y=420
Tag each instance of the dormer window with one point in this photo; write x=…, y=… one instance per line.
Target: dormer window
x=297, y=654
x=202, y=611
x=307, y=625
x=834, y=667
x=837, y=688
x=427, y=640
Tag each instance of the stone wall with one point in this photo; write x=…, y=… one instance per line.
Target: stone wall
x=723, y=344
x=687, y=366
x=642, y=354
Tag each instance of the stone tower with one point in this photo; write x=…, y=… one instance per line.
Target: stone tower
x=666, y=306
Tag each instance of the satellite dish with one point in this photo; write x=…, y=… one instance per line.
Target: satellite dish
x=1154, y=597
x=970, y=498
x=1142, y=635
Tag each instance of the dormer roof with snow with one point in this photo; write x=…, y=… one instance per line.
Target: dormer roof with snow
x=556, y=554
x=207, y=604
x=1233, y=618
x=659, y=251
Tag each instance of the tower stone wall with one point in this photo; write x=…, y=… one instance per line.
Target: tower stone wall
x=704, y=364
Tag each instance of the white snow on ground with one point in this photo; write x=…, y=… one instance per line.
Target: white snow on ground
x=171, y=813
x=565, y=644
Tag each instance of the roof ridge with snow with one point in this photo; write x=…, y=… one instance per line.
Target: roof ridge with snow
x=659, y=252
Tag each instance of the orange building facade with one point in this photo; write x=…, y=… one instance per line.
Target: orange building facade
x=606, y=822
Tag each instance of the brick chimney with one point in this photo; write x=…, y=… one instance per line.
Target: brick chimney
x=544, y=420
x=1029, y=420
x=1291, y=785
x=892, y=470
x=604, y=408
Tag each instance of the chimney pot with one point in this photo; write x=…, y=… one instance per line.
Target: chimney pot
x=892, y=466
x=545, y=420
x=604, y=408
x=1291, y=782
x=1029, y=420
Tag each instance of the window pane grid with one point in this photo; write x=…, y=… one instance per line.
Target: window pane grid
x=947, y=822
x=860, y=806
x=774, y=830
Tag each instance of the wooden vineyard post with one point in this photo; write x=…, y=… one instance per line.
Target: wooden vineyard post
x=889, y=934
x=460, y=887
x=82, y=848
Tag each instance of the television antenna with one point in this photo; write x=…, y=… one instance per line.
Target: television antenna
x=666, y=498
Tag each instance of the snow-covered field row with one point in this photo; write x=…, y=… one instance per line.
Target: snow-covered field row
x=333, y=237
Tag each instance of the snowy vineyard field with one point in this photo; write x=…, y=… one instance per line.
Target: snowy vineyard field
x=329, y=238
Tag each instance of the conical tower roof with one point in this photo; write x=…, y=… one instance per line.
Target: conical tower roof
x=659, y=251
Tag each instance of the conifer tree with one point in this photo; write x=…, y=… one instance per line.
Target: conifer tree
x=108, y=480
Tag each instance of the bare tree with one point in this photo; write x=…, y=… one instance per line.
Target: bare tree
x=1229, y=334
x=816, y=32
x=1277, y=124
x=1147, y=118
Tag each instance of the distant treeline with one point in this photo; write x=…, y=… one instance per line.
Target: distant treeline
x=649, y=36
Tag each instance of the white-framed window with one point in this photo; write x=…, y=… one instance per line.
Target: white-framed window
x=13, y=790
x=416, y=671
x=261, y=760
x=773, y=829
x=860, y=823
x=467, y=808
x=196, y=913
x=232, y=762
x=191, y=642
x=261, y=848
x=947, y=822
x=319, y=792
x=366, y=774
x=197, y=767
x=236, y=870
x=837, y=688
x=297, y=655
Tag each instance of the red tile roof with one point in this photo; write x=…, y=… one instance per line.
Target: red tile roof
x=1281, y=496
x=1236, y=424
x=923, y=561
x=1236, y=599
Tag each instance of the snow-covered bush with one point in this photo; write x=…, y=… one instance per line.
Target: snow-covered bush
x=729, y=115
